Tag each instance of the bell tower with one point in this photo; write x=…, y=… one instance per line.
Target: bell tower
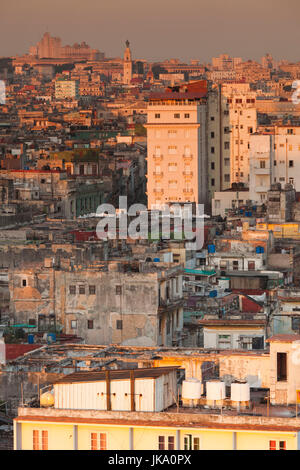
x=127, y=67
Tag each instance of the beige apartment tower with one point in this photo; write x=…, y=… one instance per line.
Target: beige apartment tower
x=176, y=143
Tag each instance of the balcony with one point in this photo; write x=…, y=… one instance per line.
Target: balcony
x=261, y=171
x=187, y=158
x=158, y=174
x=157, y=157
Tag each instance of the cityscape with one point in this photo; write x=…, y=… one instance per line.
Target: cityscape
x=149, y=250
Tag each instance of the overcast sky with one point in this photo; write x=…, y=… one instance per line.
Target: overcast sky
x=157, y=29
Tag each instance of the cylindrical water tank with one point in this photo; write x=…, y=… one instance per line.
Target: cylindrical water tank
x=47, y=399
x=215, y=390
x=240, y=392
x=191, y=389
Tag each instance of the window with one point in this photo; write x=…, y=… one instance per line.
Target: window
x=40, y=440
x=226, y=145
x=224, y=341
x=172, y=133
x=212, y=118
x=275, y=162
x=82, y=290
x=235, y=265
x=172, y=167
x=172, y=150
x=190, y=442
x=290, y=131
x=226, y=112
x=282, y=445
x=74, y=324
x=72, y=290
x=226, y=130
x=251, y=265
x=157, y=116
x=90, y=324
x=162, y=440
x=212, y=149
x=281, y=367
x=250, y=130
x=274, y=445
x=262, y=164
x=32, y=321
x=291, y=163
x=118, y=290
x=213, y=181
x=227, y=178
x=227, y=161
x=98, y=441
x=291, y=180
x=212, y=135
x=176, y=115
x=24, y=282
x=187, y=115
x=119, y=324
x=92, y=290
x=212, y=165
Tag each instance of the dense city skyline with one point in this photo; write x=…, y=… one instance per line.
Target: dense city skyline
x=199, y=31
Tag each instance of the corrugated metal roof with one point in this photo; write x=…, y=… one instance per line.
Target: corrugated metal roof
x=120, y=374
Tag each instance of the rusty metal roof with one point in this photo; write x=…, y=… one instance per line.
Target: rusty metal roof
x=121, y=374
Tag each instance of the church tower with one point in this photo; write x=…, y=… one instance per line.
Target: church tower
x=127, y=68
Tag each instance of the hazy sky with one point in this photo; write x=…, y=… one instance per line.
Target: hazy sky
x=157, y=29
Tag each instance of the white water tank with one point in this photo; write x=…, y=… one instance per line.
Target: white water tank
x=240, y=392
x=191, y=389
x=215, y=390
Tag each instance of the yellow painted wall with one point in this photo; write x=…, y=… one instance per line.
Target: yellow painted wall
x=117, y=438
x=260, y=441
x=147, y=438
x=209, y=440
x=60, y=436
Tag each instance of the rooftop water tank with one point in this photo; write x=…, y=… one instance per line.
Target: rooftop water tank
x=191, y=392
x=240, y=392
x=47, y=399
x=191, y=389
x=215, y=390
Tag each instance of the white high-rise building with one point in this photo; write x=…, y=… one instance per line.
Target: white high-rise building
x=274, y=158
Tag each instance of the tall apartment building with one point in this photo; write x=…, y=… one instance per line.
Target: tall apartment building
x=127, y=65
x=218, y=142
x=243, y=123
x=66, y=89
x=176, y=140
x=51, y=47
x=274, y=158
x=224, y=62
